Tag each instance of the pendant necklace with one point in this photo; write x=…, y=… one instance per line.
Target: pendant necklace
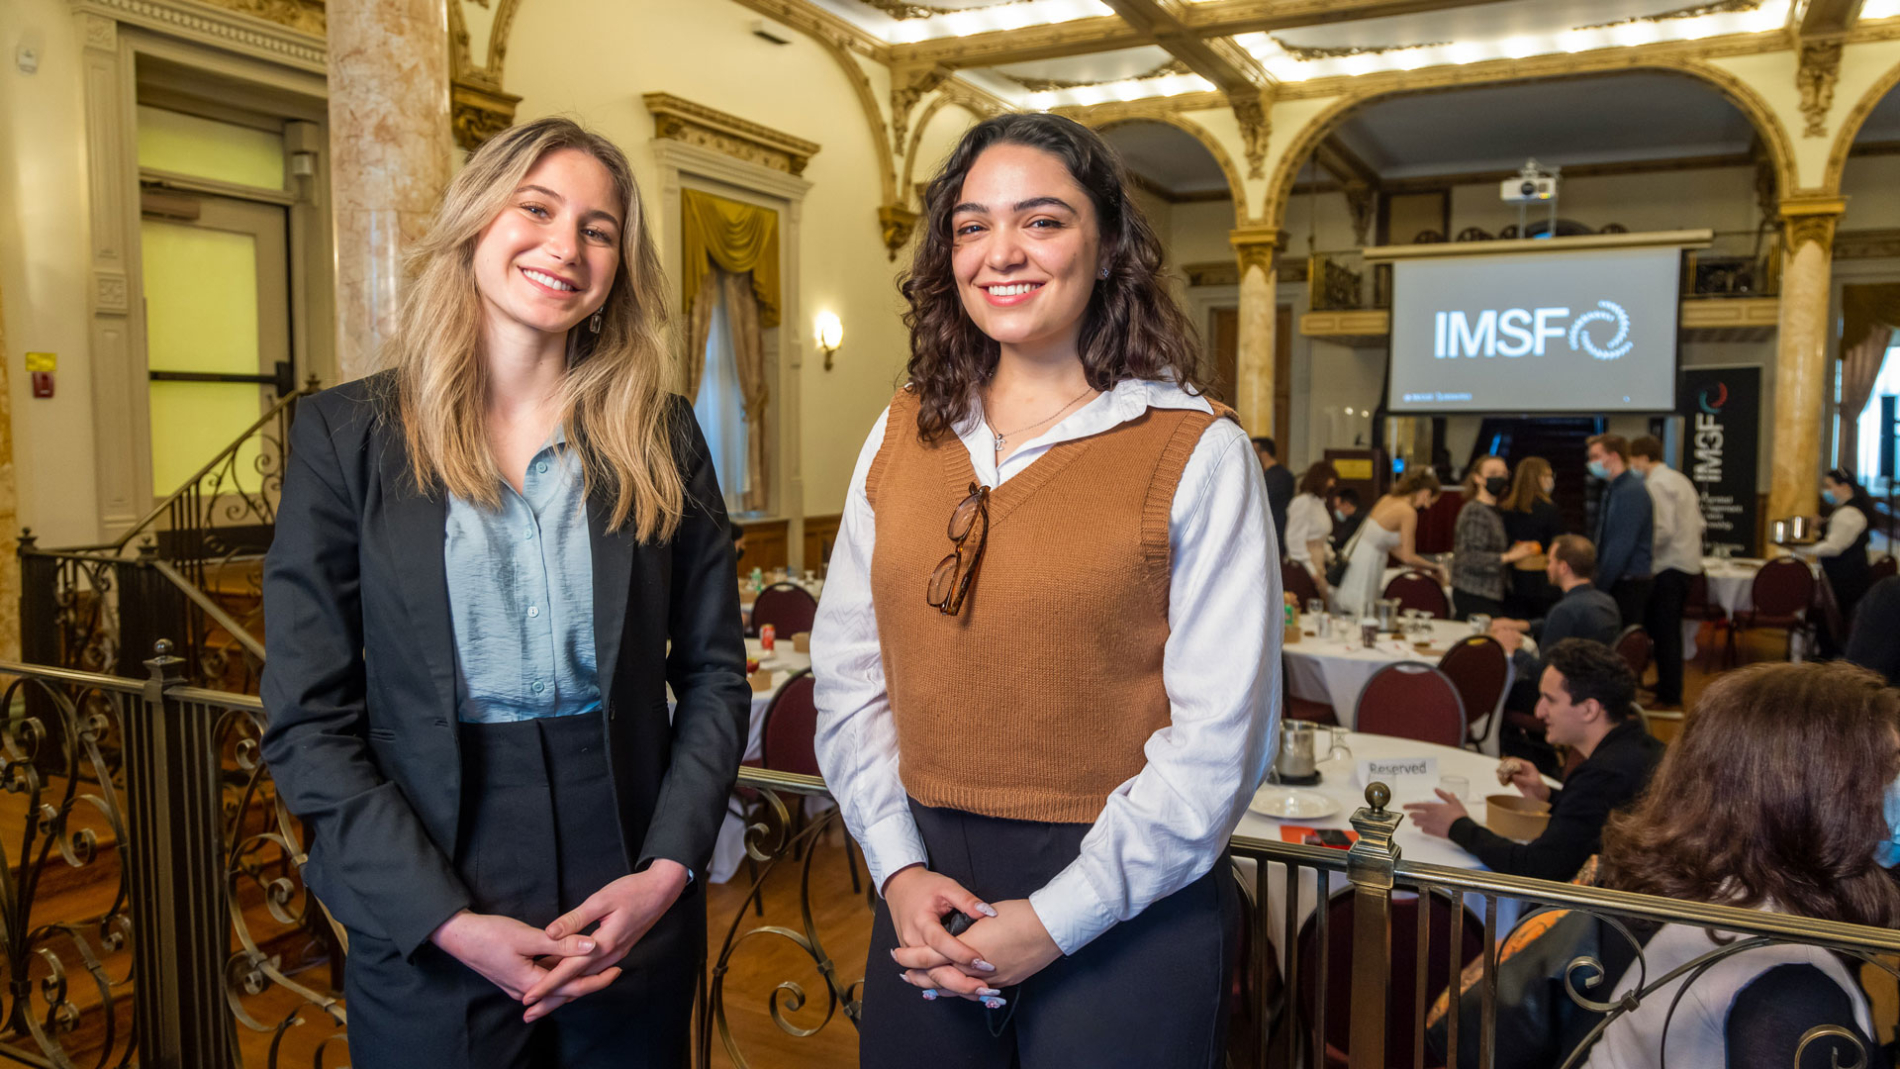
x=1002, y=435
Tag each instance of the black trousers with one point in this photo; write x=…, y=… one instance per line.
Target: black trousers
x=1465, y=604
x=1663, y=621
x=1632, y=599
x=538, y=836
x=1150, y=992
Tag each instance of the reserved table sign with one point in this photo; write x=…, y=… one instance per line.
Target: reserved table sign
x=1391, y=770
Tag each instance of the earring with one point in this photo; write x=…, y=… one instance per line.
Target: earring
x=593, y=325
x=1103, y=273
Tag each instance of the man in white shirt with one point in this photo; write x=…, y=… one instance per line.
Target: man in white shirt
x=1676, y=557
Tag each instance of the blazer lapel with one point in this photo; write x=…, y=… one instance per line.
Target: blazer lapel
x=418, y=527
x=613, y=570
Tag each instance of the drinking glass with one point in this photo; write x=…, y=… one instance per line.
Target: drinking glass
x=1337, y=749
x=1315, y=607
x=1456, y=786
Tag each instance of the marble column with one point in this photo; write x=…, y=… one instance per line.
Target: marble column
x=1801, y=355
x=1253, y=391
x=389, y=156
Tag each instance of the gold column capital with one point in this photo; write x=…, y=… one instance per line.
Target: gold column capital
x=1255, y=246
x=1811, y=217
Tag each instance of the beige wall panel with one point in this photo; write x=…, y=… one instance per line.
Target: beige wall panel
x=43, y=268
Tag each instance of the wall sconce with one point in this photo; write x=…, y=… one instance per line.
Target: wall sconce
x=830, y=335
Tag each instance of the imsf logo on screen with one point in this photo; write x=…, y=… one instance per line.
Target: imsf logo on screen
x=1514, y=332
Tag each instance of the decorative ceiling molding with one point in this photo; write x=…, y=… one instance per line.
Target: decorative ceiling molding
x=903, y=10
x=822, y=25
x=304, y=16
x=1048, y=85
x=1341, y=52
x=676, y=119
x=227, y=28
x=1718, y=7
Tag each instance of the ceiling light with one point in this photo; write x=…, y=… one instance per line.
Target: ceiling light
x=1464, y=52
x=1880, y=9
x=1520, y=46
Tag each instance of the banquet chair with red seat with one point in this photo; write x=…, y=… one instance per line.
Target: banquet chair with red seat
x=1409, y=700
x=1296, y=580
x=1636, y=649
x=1697, y=606
x=1416, y=590
x=1402, y=995
x=1478, y=667
x=788, y=607
x=788, y=743
x=1782, y=592
x=1302, y=708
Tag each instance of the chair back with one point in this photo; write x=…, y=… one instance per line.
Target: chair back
x=1636, y=648
x=1478, y=667
x=1403, y=994
x=1408, y=700
x=791, y=728
x=1784, y=587
x=1416, y=590
x=1884, y=568
x=1296, y=580
x=788, y=607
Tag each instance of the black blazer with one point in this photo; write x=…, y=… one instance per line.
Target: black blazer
x=359, y=684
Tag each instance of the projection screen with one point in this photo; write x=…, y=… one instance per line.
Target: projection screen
x=1582, y=331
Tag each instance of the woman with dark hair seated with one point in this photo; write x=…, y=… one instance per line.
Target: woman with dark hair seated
x=1048, y=647
x=1779, y=796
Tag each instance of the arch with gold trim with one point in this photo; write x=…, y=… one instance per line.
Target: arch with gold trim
x=1851, y=123
x=1104, y=121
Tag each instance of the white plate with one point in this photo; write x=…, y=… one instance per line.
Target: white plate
x=1287, y=803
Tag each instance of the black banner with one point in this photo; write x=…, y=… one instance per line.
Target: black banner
x=1721, y=408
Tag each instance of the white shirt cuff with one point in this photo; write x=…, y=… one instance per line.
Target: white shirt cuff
x=889, y=845
x=1071, y=910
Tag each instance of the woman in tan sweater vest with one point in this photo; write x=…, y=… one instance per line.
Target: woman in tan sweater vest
x=1049, y=640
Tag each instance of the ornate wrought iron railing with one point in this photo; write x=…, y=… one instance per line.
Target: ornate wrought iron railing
x=151, y=912
x=189, y=570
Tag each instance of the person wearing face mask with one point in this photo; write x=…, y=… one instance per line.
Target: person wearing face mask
x=1531, y=516
x=1625, y=527
x=1348, y=514
x=492, y=561
x=1391, y=529
x=1480, y=553
x=1843, y=551
x=1677, y=559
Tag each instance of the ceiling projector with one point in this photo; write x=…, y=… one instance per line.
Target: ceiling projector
x=1530, y=184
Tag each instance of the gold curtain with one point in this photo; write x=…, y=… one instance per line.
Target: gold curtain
x=1865, y=309
x=698, y=330
x=745, y=312
x=736, y=237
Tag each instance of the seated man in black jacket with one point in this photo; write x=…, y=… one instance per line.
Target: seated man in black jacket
x=1586, y=703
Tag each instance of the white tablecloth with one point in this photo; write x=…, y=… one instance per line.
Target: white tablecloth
x=1335, y=669
x=1731, y=582
x=1338, y=783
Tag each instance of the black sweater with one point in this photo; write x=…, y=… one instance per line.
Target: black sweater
x=1609, y=779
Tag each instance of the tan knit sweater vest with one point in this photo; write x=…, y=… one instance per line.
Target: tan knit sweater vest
x=1035, y=702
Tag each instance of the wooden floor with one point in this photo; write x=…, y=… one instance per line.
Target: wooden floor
x=761, y=962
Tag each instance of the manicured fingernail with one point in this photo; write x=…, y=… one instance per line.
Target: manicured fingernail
x=988, y=992
x=586, y=945
x=984, y=908
x=893, y=953
x=983, y=966
x=930, y=996
x=993, y=1003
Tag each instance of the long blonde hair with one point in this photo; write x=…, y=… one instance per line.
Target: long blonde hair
x=614, y=400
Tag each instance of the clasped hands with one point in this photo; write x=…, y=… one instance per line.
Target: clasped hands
x=546, y=968
x=1007, y=945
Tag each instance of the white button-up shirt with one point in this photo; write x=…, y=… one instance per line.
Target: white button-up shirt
x=1167, y=826
x=1676, y=541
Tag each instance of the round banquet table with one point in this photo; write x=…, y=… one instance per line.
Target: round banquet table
x=1339, y=784
x=1731, y=581
x=1335, y=669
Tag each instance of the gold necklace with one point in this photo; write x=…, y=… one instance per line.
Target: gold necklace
x=1001, y=435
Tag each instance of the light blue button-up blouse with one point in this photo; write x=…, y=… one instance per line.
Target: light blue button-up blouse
x=521, y=597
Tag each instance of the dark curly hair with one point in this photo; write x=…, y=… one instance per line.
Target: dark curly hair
x=1132, y=329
